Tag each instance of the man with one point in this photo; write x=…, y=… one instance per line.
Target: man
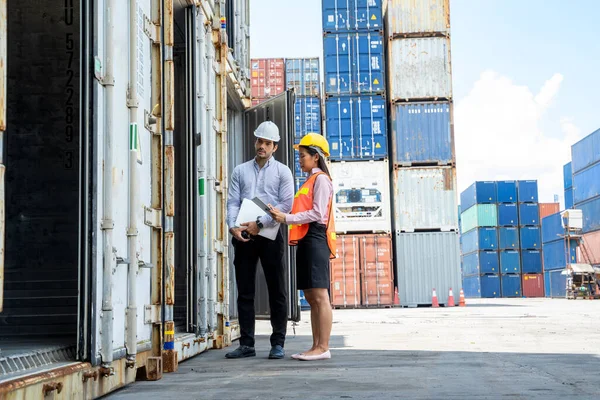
x=271, y=182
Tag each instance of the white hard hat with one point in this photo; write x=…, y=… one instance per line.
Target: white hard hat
x=268, y=131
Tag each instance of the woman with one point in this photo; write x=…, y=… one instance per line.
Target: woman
x=312, y=230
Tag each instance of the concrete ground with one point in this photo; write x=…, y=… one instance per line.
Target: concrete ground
x=491, y=349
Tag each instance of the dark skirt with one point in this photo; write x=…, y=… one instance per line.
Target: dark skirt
x=312, y=259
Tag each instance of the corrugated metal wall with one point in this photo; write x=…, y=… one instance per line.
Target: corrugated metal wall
x=425, y=17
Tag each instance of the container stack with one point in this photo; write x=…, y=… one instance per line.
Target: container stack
x=422, y=142
x=555, y=255
x=530, y=232
x=568, y=184
x=267, y=78
x=356, y=128
x=533, y=284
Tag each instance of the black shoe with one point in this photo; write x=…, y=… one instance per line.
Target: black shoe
x=241, y=352
x=276, y=352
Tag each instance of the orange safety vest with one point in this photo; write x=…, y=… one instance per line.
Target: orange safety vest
x=303, y=201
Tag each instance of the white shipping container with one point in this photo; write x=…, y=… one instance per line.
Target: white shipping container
x=417, y=16
x=425, y=199
x=427, y=261
x=361, y=196
x=420, y=69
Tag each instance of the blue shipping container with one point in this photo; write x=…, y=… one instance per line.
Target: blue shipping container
x=506, y=191
x=421, y=133
x=530, y=238
x=352, y=15
x=303, y=303
x=299, y=182
x=591, y=215
x=586, y=152
x=303, y=75
x=354, y=63
x=529, y=214
x=484, y=286
x=555, y=284
x=508, y=238
x=478, y=193
x=307, y=116
x=586, y=184
x=297, y=170
x=531, y=262
x=479, y=239
x=567, y=176
x=480, y=262
x=356, y=127
x=552, y=228
x=569, y=198
x=527, y=191
x=555, y=257
x=511, y=285
x=510, y=262
x=508, y=215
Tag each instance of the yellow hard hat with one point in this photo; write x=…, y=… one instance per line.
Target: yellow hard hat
x=314, y=140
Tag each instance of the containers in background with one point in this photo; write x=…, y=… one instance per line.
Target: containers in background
x=555, y=284
x=510, y=262
x=527, y=191
x=376, y=270
x=352, y=15
x=552, y=228
x=345, y=273
x=361, y=196
x=508, y=238
x=506, y=191
x=406, y=17
x=299, y=181
x=426, y=261
x=532, y=285
x=589, y=251
x=424, y=198
x=510, y=285
x=530, y=238
x=569, y=198
x=354, y=63
x=567, y=176
x=531, y=262
x=591, y=215
x=586, y=184
x=481, y=192
x=529, y=214
x=356, y=127
x=508, y=214
x=419, y=69
x=483, y=286
x=303, y=75
x=480, y=262
x=555, y=254
x=586, y=152
x=548, y=209
x=307, y=116
x=479, y=239
x=422, y=133
x=480, y=215
x=267, y=77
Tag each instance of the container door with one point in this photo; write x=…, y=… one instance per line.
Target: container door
x=3, y=34
x=280, y=110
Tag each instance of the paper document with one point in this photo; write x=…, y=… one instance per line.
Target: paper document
x=253, y=209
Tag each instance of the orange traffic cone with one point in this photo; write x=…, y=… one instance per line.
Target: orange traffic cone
x=434, y=299
x=396, y=298
x=451, y=299
x=461, y=300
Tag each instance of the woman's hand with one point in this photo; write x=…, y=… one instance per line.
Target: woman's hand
x=277, y=215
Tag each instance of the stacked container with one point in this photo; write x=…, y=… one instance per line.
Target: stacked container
x=533, y=285
x=529, y=229
x=568, y=184
x=555, y=255
x=422, y=147
x=267, y=78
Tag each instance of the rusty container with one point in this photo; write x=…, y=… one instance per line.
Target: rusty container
x=588, y=252
x=377, y=281
x=267, y=77
x=533, y=285
x=548, y=209
x=345, y=273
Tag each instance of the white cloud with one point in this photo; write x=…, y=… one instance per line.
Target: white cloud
x=498, y=135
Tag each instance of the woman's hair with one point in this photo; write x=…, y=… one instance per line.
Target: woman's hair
x=321, y=162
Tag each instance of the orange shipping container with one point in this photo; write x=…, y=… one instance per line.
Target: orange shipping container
x=345, y=269
x=376, y=270
x=548, y=209
x=589, y=252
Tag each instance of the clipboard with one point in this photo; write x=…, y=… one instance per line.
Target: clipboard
x=250, y=210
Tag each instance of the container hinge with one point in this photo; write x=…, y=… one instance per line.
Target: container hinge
x=144, y=264
x=152, y=30
x=153, y=217
x=121, y=260
x=151, y=314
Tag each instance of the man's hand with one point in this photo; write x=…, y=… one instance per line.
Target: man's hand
x=251, y=228
x=237, y=234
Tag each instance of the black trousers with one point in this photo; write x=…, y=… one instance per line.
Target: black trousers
x=270, y=254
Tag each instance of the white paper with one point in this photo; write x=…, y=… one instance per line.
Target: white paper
x=249, y=212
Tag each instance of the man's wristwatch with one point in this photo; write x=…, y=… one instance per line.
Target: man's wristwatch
x=259, y=224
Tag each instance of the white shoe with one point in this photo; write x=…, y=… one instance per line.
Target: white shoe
x=322, y=356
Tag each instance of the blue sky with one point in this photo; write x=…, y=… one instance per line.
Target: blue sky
x=526, y=77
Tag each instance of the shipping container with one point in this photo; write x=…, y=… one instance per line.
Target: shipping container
x=508, y=238
x=552, y=228
x=298, y=173
x=422, y=133
x=480, y=215
x=345, y=272
x=377, y=280
x=419, y=69
x=422, y=18
x=569, y=198
x=555, y=254
x=548, y=209
x=527, y=191
x=484, y=286
x=530, y=238
x=510, y=262
x=481, y=192
x=354, y=63
x=299, y=182
x=361, y=196
x=567, y=176
x=356, y=127
x=511, y=285
x=586, y=152
x=532, y=285
x=352, y=15
x=531, y=262
x=304, y=306
x=591, y=215
x=426, y=261
x=508, y=215
x=267, y=77
x=586, y=184
x=555, y=284
x=304, y=76
x=529, y=214
x=479, y=239
x=588, y=251
x=506, y=191
x=424, y=199
x=480, y=262
x=307, y=116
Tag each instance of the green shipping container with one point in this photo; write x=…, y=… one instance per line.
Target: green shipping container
x=480, y=215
